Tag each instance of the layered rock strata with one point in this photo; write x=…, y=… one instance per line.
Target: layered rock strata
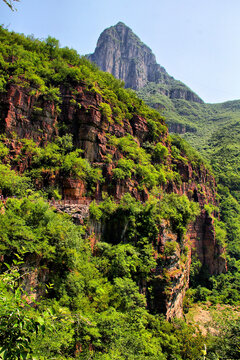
x=83, y=118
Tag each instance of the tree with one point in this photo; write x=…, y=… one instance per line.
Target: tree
x=10, y=3
x=227, y=344
x=16, y=319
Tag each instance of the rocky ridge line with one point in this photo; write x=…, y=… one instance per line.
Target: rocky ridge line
x=120, y=52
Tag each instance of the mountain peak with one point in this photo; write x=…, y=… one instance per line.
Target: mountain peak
x=120, y=27
x=121, y=32
x=121, y=52
x=120, y=23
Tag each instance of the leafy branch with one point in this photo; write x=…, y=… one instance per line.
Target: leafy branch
x=10, y=4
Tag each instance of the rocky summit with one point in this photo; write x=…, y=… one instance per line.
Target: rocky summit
x=120, y=52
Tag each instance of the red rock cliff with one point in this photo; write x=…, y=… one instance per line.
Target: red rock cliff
x=30, y=116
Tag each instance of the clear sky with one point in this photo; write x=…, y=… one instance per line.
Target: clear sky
x=197, y=41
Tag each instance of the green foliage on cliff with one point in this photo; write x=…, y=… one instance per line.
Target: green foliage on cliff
x=224, y=153
x=223, y=288
x=226, y=287
x=16, y=324
x=43, y=67
x=213, y=130
x=58, y=159
x=94, y=301
x=28, y=225
x=226, y=346
x=12, y=184
x=91, y=305
x=106, y=111
x=179, y=146
x=145, y=165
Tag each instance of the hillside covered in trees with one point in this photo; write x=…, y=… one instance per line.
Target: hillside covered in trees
x=212, y=129
x=105, y=218
x=207, y=127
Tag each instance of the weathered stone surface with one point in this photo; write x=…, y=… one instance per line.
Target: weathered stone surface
x=34, y=277
x=28, y=116
x=120, y=52
x=73, y=189
x=78, y=211
x=81, y=116
x=179, y=128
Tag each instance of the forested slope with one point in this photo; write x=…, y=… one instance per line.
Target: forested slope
x=96, y=288
x=212, y=129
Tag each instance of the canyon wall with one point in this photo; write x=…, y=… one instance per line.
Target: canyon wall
x=30, y=116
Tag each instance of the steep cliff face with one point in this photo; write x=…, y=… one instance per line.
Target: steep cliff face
x=98, y=135
x=120, y=52
x=173, y=270
x=28, y=116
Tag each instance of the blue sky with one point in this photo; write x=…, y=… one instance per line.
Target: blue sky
x=197, y=41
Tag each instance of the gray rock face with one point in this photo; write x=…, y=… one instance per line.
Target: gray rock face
x=120, y=52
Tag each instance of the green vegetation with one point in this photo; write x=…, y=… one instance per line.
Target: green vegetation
x=43, y=67
x=63, y=295
x=180, y=114
x=223, y=288
x=147, y=165
x=90, y=304
x=207, y=127
x=56, y=159
x=180, y=146
x=213, y=130
x=223, y=153
x=227, y=345
x=12, y=184
x=106, y=111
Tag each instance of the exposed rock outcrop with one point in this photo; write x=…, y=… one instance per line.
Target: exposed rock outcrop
x=120, y=52
x=82, y=117
x=28, y=116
